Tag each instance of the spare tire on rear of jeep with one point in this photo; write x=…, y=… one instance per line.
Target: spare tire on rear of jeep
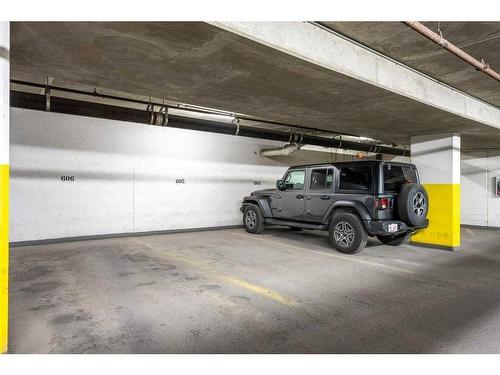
x=413, y=204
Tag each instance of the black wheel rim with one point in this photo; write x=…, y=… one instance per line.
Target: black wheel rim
x=419, y=204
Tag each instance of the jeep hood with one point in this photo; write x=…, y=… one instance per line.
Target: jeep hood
x=264, y=192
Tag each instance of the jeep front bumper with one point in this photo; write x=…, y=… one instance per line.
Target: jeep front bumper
x=390, y=227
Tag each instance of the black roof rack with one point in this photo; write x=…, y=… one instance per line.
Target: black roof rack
x=335, y=163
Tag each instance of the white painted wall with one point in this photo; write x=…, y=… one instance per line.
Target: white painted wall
x=480, y=205
x=437, y=157
x=125, y=176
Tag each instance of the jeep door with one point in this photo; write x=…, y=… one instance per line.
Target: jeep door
x=318, y=194
x=291, y=199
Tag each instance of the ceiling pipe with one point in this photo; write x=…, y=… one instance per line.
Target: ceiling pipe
x=180, y=106
x=286, y=150
x=438, y=39
x=37, y=102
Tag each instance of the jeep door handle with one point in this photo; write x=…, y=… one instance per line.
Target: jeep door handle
x=325, y=197
x=300, y=196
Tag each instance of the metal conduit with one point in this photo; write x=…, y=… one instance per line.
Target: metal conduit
x=438, y=39
x=89, y=109
x=186, y=107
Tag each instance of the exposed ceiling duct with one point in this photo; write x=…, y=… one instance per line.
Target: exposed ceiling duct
x=188, y=118
x=286, y=150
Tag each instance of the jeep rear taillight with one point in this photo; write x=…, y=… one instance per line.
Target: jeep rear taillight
x=382, y=203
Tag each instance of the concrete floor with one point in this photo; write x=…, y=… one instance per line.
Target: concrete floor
x=228, y=291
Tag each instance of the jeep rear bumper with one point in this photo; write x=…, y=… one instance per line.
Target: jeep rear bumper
x=387, y=227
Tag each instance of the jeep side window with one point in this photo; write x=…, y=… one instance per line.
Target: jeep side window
x=355, y=177
x=295, y=180
x=321, y=179
x=395, y=176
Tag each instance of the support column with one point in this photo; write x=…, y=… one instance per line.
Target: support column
x=437, y=158
x=4, y=184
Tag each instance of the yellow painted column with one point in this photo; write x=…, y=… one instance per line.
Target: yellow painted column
x=437, y=158
x=4, y=185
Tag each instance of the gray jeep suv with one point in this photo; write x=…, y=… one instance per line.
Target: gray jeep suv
x=352, y=200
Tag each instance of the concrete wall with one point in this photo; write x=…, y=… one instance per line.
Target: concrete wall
x=125, y=176
x=480, y=205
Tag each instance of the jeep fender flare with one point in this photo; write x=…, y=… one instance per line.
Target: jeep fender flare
x=350, y=206
x=263, y=204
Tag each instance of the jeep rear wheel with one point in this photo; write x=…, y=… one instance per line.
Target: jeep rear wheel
x=347, y=233
x=253, y=220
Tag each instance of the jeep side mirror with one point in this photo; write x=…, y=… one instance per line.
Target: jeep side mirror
x=279, y=185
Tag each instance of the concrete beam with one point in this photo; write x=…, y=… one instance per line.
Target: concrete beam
x=320, y=46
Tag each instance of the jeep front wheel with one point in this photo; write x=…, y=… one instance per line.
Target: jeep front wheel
x=347, y=233
x=253, y=220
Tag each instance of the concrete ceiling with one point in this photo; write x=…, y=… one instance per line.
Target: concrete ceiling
x=197, y=63
x=396, y=40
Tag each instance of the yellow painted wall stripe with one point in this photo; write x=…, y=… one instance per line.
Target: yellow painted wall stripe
x=444, y=216
x=4, y=257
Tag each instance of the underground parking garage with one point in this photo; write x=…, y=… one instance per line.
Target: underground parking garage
x=134, y=153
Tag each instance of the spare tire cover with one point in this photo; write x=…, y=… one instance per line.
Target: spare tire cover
x=413, y=204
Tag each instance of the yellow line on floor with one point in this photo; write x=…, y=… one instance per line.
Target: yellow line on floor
x=202, y=266
x=348, y=258
x=262, y=291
